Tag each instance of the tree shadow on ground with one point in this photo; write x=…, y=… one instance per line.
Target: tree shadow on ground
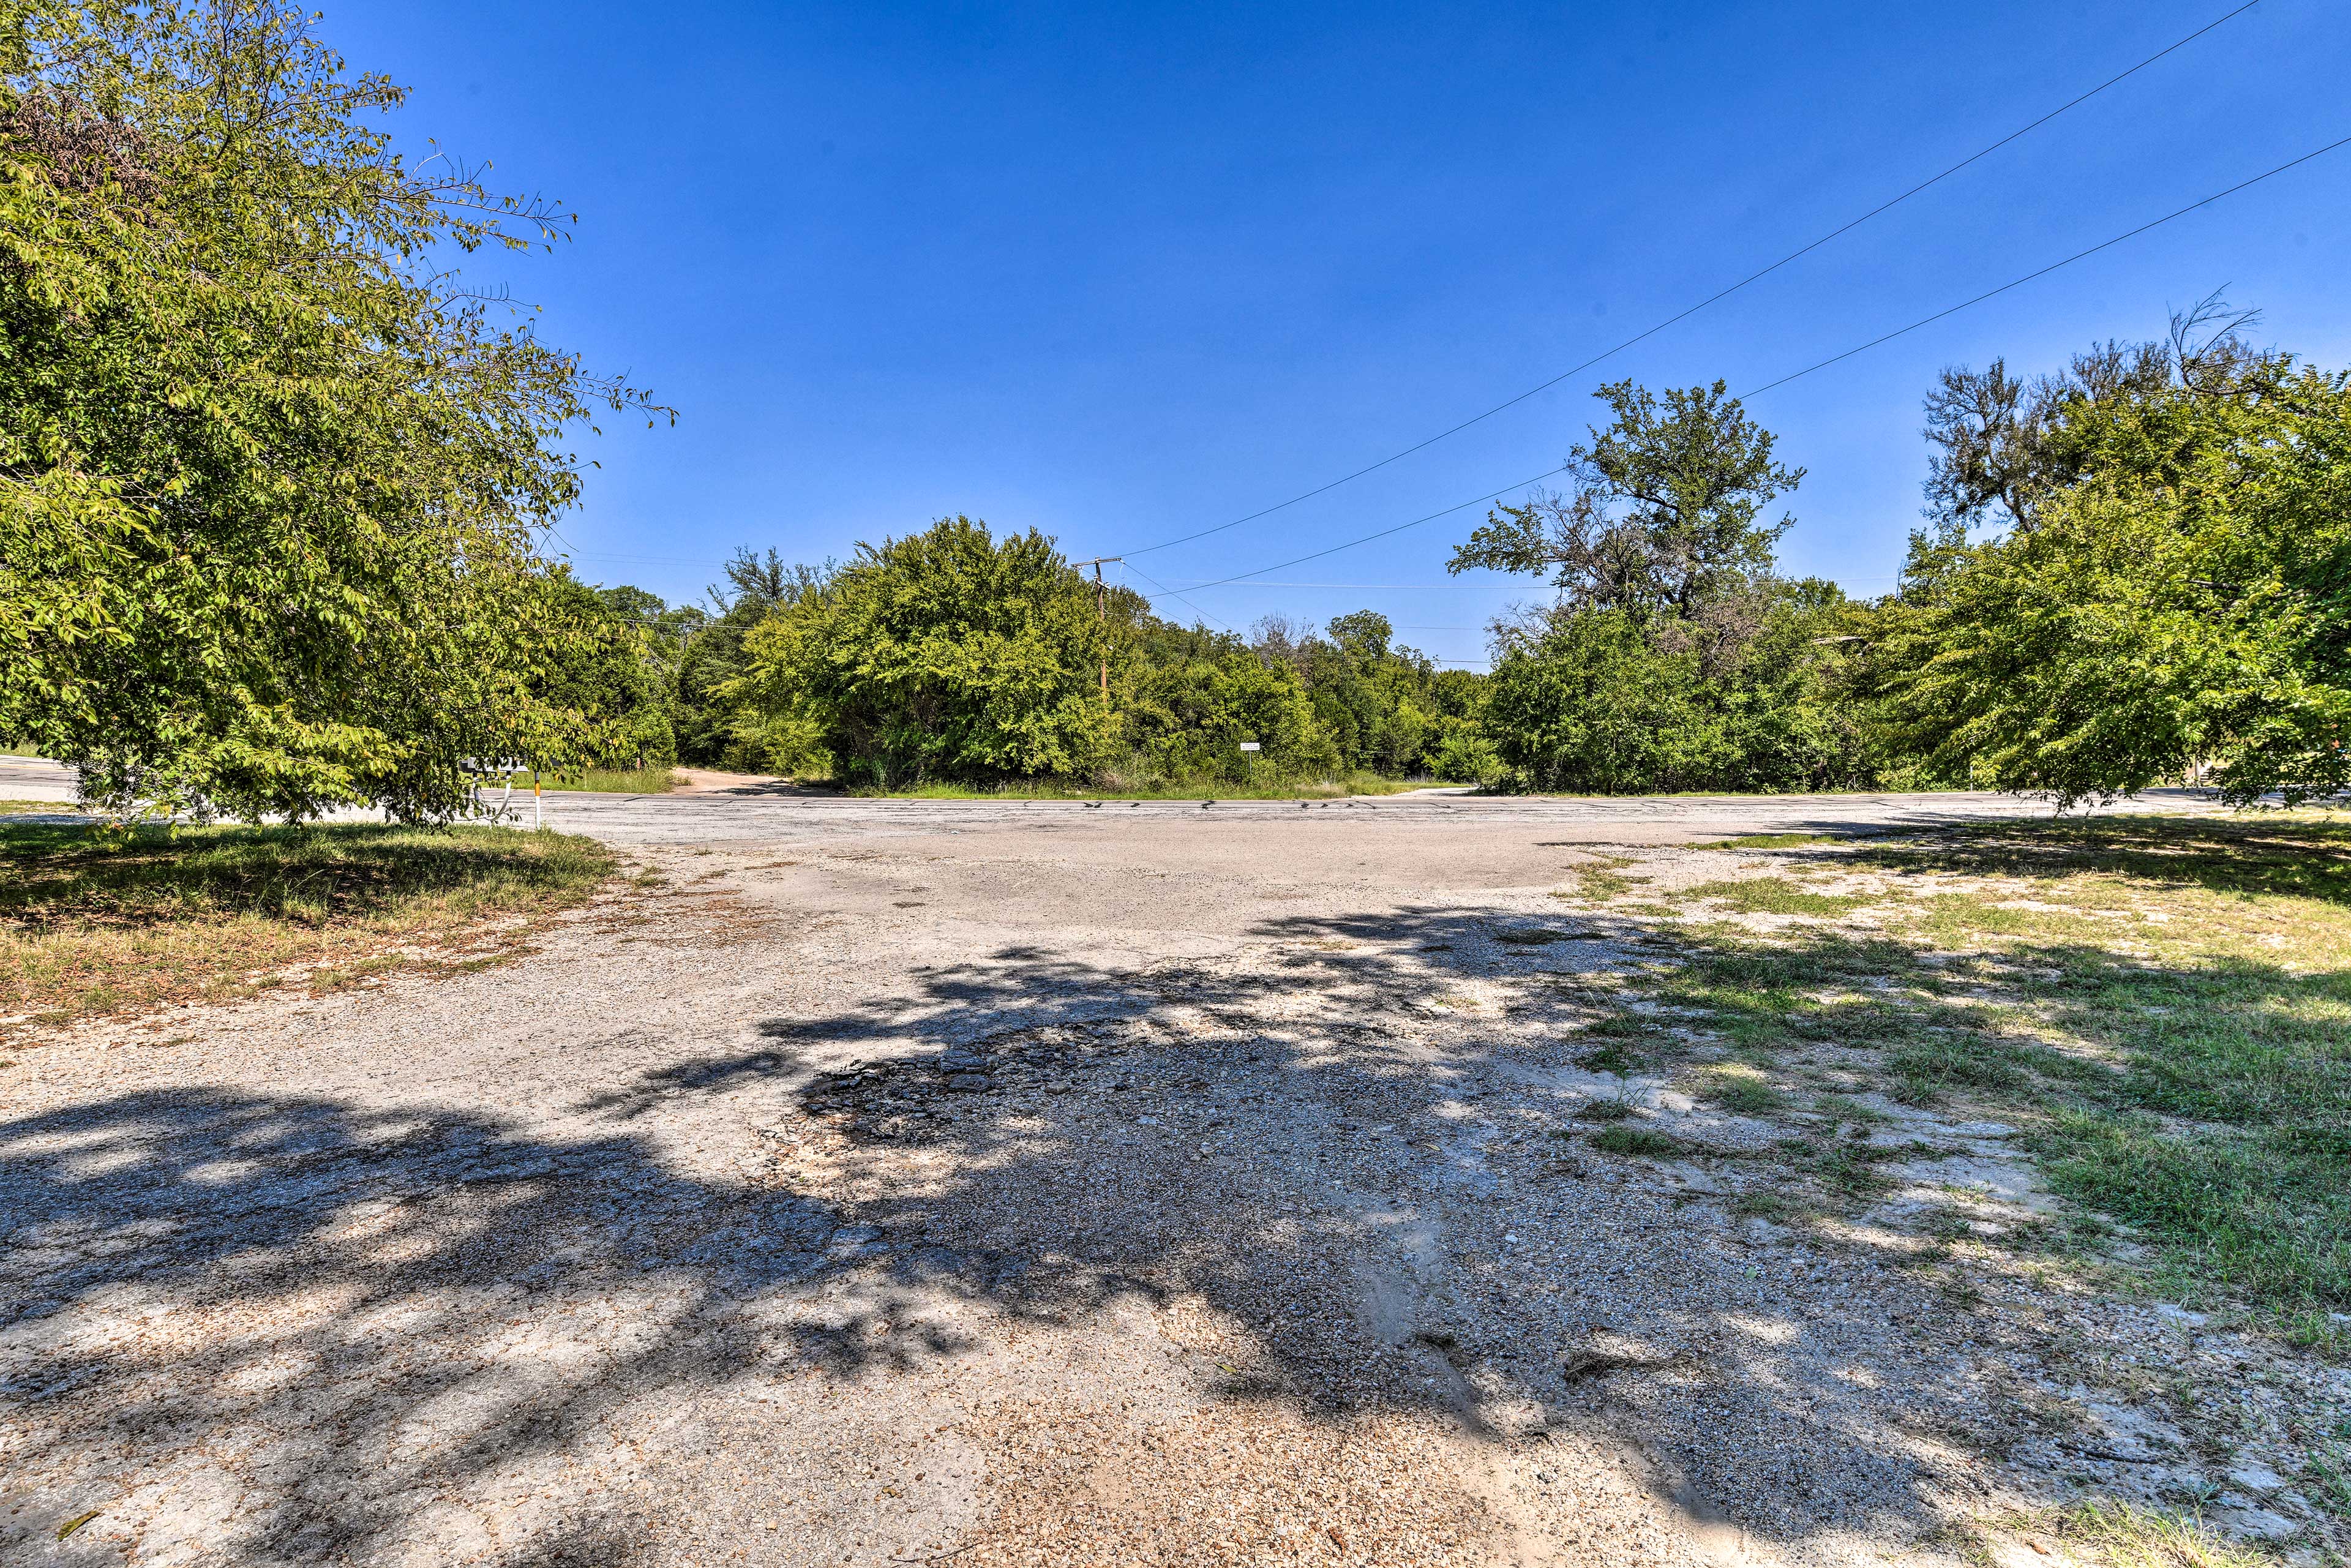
x=1348, y=1150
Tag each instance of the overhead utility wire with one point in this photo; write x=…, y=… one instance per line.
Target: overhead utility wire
x=1170, y=593
x=1834, y=358
x=1711, y=298
x=2077, y=256
x=1351, y=544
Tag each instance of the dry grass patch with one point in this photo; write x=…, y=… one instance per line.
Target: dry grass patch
x=2117, y=1535
x=97, y=921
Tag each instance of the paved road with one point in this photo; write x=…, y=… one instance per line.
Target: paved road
x=781, y=814
x=745, y=818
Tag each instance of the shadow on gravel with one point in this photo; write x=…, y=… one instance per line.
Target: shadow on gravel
x=374, y=1308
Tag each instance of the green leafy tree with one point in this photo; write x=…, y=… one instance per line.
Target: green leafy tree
x=1593, y=707
x=1387, y=708
x=1673, y=657
x=716, y=728
x=1187, y=697
x=946, y=654
x=270, y=478
x=2185, y=605
x=2004, y=444
x=1661, y=519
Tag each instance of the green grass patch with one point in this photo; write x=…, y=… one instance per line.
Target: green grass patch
x=2122, y=1535
x=39, y=808
x=97, y=920
x=1639, y=1142
x=1743, y=1091
x=1850, y=1168
x=1601, y=879
x=1775, y=895
x=1929, y=1064
x=1775, y=841
x=2162, y=1006
x=2266, y=1215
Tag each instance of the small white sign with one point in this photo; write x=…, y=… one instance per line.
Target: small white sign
x=1251, y=746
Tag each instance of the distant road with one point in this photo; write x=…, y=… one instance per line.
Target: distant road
x=727, y=817
x=774, y=813
x=34, y=779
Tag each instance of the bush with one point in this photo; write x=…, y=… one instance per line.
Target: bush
x=944, y=655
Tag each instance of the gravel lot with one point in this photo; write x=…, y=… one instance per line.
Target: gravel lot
x=877, y=1182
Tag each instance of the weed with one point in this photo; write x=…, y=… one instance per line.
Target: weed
x=1744, y=1090
x=1843, y=1108
x=616, y=781
x=1620, y=1139
x=2327, y=1470
x=1770, y=1206
x=1774, y=896
x=1607, y=1059
x=2130, y=1537
x=1610, y=1110
x=1848, y=1168
x=1773, y=841
x=1602, y=879
x=1928, y=1065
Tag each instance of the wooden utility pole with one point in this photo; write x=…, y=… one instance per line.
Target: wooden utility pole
x=1101, y=612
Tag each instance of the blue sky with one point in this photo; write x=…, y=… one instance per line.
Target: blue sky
x=1124, y=273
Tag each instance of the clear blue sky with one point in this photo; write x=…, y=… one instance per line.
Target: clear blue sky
x=1125, y=272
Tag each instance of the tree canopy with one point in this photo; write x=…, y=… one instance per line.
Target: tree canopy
x=2181, y=601
x=943, y=654
x=271, y=477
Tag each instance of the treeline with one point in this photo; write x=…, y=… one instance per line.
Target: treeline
x=274, y=486
x=952, y=655
x=2133, y=570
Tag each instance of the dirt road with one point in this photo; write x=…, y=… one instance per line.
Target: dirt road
x=874, y=1183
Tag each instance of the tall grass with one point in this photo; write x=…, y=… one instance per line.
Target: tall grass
x=608, y=781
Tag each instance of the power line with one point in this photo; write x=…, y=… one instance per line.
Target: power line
x=2052, y=266
x=1834, y=358
x=1714, y=298
x=1334, y=550
x=1171, y=593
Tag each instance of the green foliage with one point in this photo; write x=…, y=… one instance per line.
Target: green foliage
x=1600, y=702
x=1674, y=659
x=1660, y=515
x=1387, y=708
x=269, y=479
x=944, y=655
x=604, y=668
x=950, y=658
x=1186, y=699
x=1592, y=708
x=2186, y=601
x=716, y=729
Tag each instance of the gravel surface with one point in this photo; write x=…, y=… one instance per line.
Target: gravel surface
x=1002, y=1186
